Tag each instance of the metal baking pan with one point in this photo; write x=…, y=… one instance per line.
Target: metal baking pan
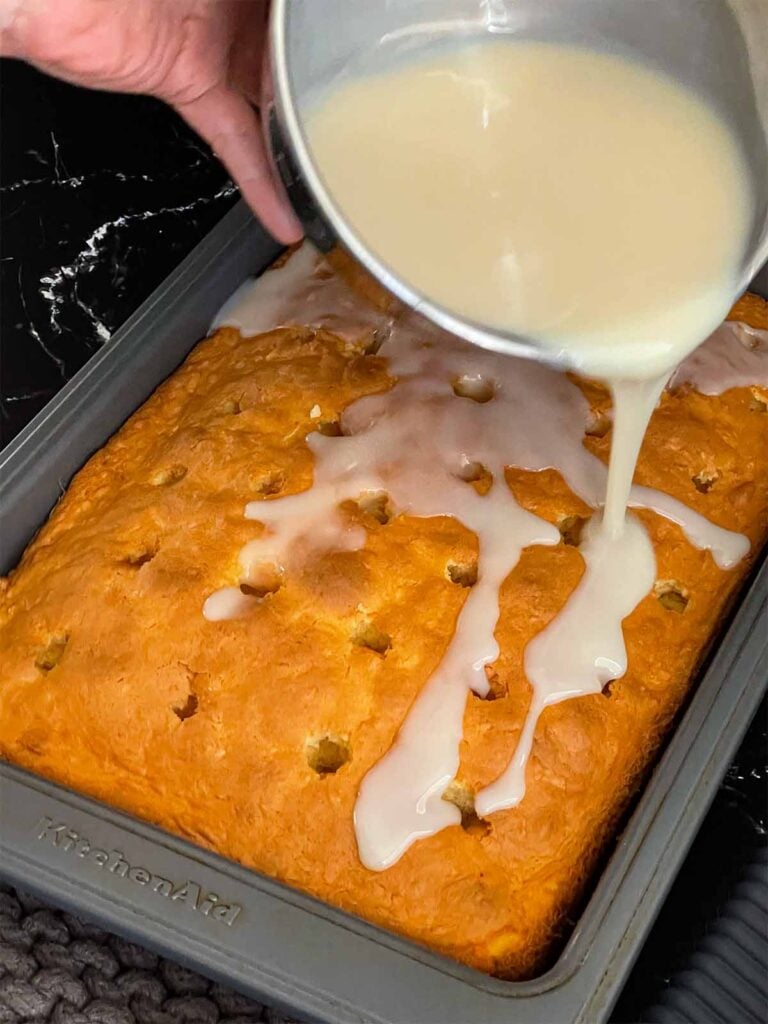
x=272, y=942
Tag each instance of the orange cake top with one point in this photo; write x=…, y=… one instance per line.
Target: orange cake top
x=253, y=733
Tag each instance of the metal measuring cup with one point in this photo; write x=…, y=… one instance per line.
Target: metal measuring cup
x=716, y=48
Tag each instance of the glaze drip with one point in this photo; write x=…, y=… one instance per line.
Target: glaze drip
x=415, y=442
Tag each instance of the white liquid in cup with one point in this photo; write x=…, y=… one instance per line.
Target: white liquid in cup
x=575, y=198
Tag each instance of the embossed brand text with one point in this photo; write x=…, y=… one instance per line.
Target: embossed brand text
x=186, y=893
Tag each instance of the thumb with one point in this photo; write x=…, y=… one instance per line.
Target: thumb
x=228, y=122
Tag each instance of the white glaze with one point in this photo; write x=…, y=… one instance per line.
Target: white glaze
x=582, y=649
x=227, y=603
x=414, y=442
x=536, y=203
x=734, y=356
x=301, y=292
x=633, y=405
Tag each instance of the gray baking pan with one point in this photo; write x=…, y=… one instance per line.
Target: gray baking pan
x=270, y=941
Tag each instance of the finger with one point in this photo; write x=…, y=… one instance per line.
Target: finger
x=248, y=45
x=229, y=124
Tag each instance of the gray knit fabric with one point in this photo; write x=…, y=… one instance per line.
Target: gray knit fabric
x=57, y=969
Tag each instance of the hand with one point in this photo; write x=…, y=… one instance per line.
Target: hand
x=203, y=57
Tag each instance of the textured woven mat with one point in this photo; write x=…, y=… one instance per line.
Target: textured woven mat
x=57, y=969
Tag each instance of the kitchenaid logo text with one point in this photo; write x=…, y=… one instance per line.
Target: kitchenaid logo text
x=187, y=893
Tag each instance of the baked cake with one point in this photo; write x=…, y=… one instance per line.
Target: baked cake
x=241, y=700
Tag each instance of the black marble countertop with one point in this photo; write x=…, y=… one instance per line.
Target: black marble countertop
x=101, y=196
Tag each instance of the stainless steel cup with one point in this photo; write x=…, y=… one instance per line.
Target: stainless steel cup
x=716, y=48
